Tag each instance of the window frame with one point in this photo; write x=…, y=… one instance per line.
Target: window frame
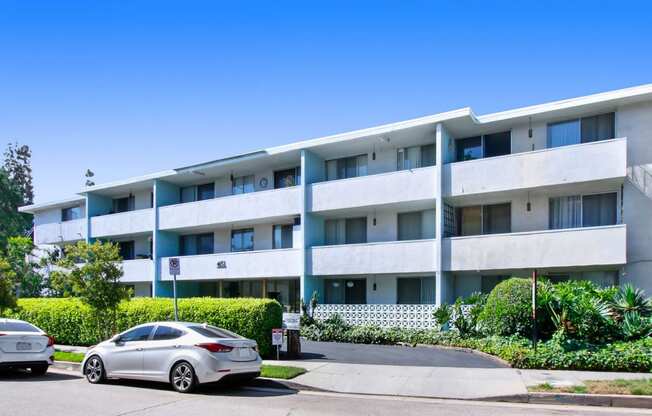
x=281, y=227
x=482, y=228
x=579, y=123
x=153, y=335
x=482, y=145
x=149, y=336
x=345, y=160
x=581, y=196
x=72, y=209
x=242, y=232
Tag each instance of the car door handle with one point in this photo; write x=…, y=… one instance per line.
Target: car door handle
x=177, y=346
x=139, y=349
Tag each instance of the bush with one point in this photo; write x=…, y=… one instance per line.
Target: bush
x=70, y=322
x=508, y=308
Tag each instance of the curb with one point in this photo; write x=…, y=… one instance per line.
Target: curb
x=465, y=349
x=577, y=399
x=67, y=365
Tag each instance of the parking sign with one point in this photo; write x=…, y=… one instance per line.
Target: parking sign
x=175, y=266
x=277, y=336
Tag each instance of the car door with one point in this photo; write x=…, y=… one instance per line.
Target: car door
x=159, y=352
x=126, y=356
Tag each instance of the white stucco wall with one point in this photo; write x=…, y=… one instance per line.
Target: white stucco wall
x=130, y=222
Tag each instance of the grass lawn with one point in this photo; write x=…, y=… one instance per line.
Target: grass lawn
x=634, y=387
x=74, y=357
x=281, y=371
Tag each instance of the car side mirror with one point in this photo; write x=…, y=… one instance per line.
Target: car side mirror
x=117, y=339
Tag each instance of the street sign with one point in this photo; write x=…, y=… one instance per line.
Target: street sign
x=292, y=321
x=277, y=336
x=175, y=266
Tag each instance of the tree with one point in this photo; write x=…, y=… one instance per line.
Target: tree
x=12, y=222
x=7, y=287
x=18, y=166
x=93, y=272
x=26, y=272
x=89, y=174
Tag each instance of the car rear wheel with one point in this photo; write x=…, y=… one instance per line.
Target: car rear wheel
x=94, y=370
x=39, y=370
x=183, y=377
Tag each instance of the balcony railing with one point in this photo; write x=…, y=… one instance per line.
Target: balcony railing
x=130, y=222
x=575, y=247
x=379, y=189
x=414, y=256
x=247, y=264
x=138, y=270
x=384, y=315
x=244, y=207
x=60, y=232
x=585, y=162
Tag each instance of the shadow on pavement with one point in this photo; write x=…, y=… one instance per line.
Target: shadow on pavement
x=22, y=376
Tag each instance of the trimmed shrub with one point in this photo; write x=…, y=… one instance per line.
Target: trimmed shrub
x=508, y=308
x=70, y=322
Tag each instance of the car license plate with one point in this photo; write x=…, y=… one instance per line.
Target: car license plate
x=23, y=346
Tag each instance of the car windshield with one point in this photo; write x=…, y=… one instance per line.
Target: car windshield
x=213, y=332
x=17, y=327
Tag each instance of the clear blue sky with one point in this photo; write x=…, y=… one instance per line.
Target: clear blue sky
x=129, y=88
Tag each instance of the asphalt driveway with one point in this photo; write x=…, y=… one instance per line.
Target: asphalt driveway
x=395, y=355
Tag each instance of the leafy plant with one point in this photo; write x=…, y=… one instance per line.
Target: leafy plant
x=7, y=283
x=630, y=299
x=27, y=273
x=635, y=326
x=443, y=314
x=508, y=308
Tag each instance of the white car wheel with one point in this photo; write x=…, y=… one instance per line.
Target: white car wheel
x=94, y=370
x=183, y=377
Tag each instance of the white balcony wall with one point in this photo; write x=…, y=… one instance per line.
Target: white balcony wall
x=60, y=232
x=234, y=208
x=417, y=256
x=383, y=188
x=576, y=247
x=250, y=264
x=548, y=167
x=139, y=270
x=131, y=222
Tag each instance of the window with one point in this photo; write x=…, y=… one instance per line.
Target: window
x=345, y=291
x=582, y=130
x=71, y=213
x=190, y=245
x=599, y=210
x=214, y=332
x=348, y=167
x=205, y=191
x=282, y=236
x=188, y=194
x=242, y=185
x=497, y=144
x=489, y=282
x=356, y=230
x=415, y=157
x=583, y=211
x=287, y=178
x=126, y=250
x=409, y=226
x=565, y=212
x=334, y=232
x=415, y=290
x=470, y=220
x=497, y=219
x=488, y=145
x=469, y=149
x=242, y=240
x=123, y=204
x=9, y=326
x=138, y=334
x=163, y=333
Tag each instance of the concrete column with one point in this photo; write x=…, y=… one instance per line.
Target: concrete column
x=163, y=243
x=440, y=281
x=313, y=170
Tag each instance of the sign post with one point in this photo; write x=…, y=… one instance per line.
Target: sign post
x=277, y=340
x=175, y=269
x=534, y=309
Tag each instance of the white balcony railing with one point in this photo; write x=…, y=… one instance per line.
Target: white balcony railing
x=548, y=167
x=415, y=256
x=248, y=264
x=255, y=205
x=575, y=247
x=130, y=222
x=383, y=188
x=138, y=270
x=384, y=315
x=60, y=232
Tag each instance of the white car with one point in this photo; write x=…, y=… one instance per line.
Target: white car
x=183, y=354
x=24, y=346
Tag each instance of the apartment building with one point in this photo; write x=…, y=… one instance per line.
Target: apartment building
x=387, y=222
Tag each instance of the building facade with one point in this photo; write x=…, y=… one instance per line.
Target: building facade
x=387, y=222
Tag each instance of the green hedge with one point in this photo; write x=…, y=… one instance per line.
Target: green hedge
x=70, y=322
x=508, y=308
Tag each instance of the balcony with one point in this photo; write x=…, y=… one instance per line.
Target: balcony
x=60, y=232
x=575, y=247
x=245, y=207
x=248, y=264
x=416, y=256
x=384, y=188
x=585, y=162
x=130, y=222
x=140, y=270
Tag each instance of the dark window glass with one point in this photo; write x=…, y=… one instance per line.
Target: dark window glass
x=126, y=250
x=345, y=291
x=205, y=191
x=564, y=133
x=71, y=213
x=408, y=291
x=356, y=230
x=347, y=167
x=138, y=334
x=409, y=226
x=428, y=155
x=190, y=245
x=214, y=332
x=242, y=240
x=599, y=210
x=489, y=282
x=497, y=144
x=187, y=194
x=469, y=220
x=205, y=243
x=286, y=178
x=282, y=236
x=165, y=332
x=600, y=127
x=469, y=149
x=497, y=219
x=242, y=185
x=123, y=204
x=151, y=199
x=9, y=326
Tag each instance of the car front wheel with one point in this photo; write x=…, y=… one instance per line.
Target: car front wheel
x=183, y=377
x=94, y=370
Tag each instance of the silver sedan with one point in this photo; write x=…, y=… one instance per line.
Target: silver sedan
x=182, y=353
x=23, y=346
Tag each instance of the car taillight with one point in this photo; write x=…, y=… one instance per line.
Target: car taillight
x=215, y=347
x=50, y=341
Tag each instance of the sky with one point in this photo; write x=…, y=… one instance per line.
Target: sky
x=130, y=88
